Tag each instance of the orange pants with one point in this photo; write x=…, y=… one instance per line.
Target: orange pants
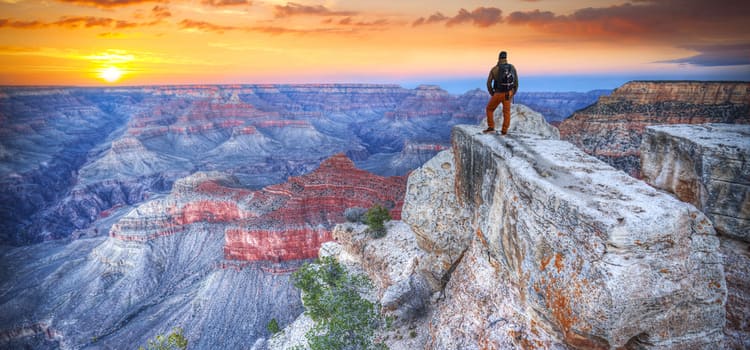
x=496, y=99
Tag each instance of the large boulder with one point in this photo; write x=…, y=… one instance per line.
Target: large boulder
x=524, y=120
x=707, y=166
x=590, y=257
x=442, y=224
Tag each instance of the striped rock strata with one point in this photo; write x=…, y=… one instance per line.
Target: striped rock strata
x=611, y=129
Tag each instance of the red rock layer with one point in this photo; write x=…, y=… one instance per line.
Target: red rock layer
x=282, y=222
x=312, y=204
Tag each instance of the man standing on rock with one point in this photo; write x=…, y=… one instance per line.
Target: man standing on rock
x=502, y=84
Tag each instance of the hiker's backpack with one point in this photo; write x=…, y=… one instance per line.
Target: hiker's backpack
x=504, y=81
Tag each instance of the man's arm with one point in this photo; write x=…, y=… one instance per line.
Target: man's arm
x=489, y=83
x=515, y=81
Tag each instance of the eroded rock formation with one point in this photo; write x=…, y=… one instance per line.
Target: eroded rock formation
x=70, y=157
x=281, y=222
x=709, y=166
x=586, y=251
x=611, y=129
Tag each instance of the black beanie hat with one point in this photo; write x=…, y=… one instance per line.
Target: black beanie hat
x=503, y=54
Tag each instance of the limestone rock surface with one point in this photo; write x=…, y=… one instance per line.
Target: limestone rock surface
x=709, y=166
x=442, y=225
x=706, y=165
x=595, y=258
x=524, y=120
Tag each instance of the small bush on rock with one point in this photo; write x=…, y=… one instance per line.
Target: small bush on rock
x=173, y=341
x=343, y=319
x=375, y=219
x=273, y=326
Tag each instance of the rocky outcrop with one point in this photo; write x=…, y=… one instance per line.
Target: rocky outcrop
x=709, y=166
x=586, y=252
x=394, y=266
x=278, y=223
x=611, y=129
x=525, y=120
x=527, y=242
x=441, y=224
x=308, y=208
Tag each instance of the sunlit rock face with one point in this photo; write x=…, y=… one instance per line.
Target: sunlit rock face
x=709, y=166
x=571, y=251
x=612, y=129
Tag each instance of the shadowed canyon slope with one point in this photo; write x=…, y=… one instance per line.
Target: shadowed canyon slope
x=612, y=129
x=211, y=257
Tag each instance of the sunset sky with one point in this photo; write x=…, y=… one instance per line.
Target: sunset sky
x=554, y=44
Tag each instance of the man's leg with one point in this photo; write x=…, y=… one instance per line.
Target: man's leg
x=506, y=98
x=491, y=106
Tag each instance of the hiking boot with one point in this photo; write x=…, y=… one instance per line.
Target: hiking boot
x=488, y=130
x=504, y=132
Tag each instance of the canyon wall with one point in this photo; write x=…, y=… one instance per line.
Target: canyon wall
x=73, y=160
x=709, y=166
x=611, y=129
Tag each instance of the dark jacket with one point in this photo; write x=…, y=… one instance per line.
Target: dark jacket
x=494, y=73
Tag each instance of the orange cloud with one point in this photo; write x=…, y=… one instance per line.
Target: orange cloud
x=205, y=26
x=681, y=21
x=160, y=12
x=480, y=17
x=295, y=9
x=348, y=21
x=274, y=30
x=435, y=18
x=9, y=23
x=226, y=2
x=108, y=3
x=89, y=21
x=72, y=22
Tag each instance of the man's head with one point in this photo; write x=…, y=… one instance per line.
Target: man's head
x=503, y=55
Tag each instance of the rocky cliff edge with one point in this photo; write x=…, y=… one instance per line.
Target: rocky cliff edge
x=527, y=242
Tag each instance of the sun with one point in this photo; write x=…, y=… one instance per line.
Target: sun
x=111, y=74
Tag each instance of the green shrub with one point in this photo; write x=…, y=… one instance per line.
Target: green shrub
x=375, y=219
x=343, y=319
x=273, y=326
x=172, y=341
